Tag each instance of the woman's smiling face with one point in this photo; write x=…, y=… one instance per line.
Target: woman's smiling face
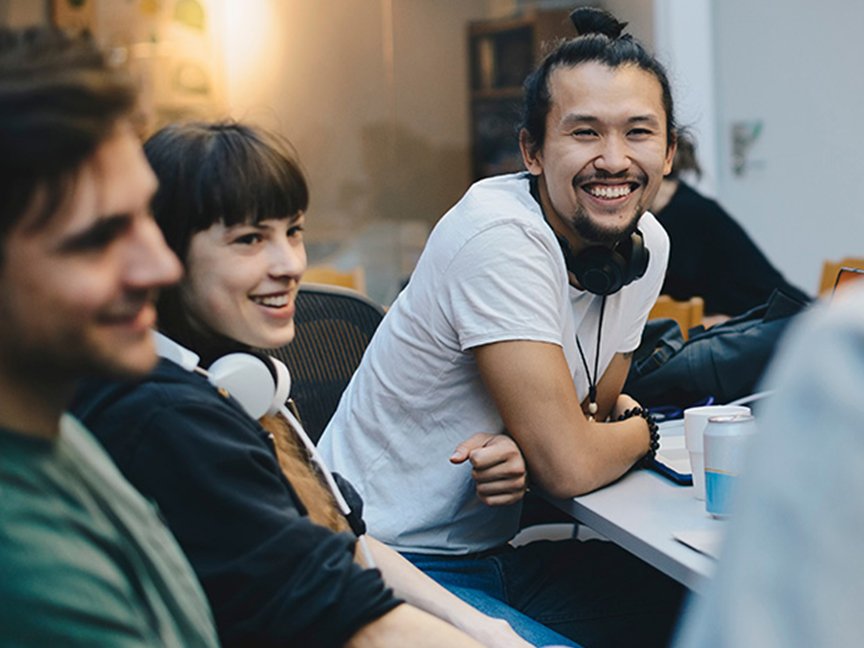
x=241, y=281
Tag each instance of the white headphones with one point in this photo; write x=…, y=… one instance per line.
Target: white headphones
x=261, y=385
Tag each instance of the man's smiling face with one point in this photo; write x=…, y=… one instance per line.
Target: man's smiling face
x=605, y=151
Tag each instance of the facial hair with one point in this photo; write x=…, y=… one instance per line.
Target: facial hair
x=588, y=229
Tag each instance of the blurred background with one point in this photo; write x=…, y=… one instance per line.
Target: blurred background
x=396, y=106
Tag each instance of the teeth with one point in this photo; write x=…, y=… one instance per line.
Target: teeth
x=275, y=301
x=602, y=191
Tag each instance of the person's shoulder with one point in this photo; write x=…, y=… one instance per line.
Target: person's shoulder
x=126, y=416
x=59, y=586
x=697, y=208
x=498, y=200
x=168, y=386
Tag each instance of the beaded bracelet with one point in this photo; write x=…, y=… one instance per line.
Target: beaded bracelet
x=654, y=434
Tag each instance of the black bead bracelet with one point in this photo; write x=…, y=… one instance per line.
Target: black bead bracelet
x=654, y=442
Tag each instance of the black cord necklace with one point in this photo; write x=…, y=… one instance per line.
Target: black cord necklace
x=592, y=381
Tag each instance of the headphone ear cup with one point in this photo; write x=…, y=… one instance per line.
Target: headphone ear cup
x=247, y=379
x=639, y=257
x=599, y=270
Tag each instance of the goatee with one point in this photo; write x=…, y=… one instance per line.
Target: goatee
x=592, y=232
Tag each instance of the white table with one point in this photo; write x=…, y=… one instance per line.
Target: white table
x=641, y=512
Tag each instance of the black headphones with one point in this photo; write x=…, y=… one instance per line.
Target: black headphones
x=598, y=269
x=601, y=270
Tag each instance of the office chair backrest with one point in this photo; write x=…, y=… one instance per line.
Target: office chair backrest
x=333, y=328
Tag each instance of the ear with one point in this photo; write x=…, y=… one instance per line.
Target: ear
x=532, y=156
x=670, y=156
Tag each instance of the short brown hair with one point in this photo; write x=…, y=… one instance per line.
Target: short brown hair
x=59, y=99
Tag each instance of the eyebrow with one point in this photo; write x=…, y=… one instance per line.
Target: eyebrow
x=579, y=118
x=104, y=229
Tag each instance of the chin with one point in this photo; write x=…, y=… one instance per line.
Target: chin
x=273, y=339
x=132, y=363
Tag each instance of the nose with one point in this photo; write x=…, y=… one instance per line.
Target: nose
x=287, y=259
x=614, y=155
x=150, y=263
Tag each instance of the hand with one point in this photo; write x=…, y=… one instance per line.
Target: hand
x=498, y=467
x=622, y=404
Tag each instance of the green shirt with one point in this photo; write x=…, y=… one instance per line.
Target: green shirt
x=84, y=559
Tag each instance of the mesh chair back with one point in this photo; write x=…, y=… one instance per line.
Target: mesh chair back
x=333, y=327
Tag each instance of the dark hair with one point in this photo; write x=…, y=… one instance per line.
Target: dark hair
x=59, y=99
x=221, y=172
x=599, y=40
x=217, y=172
x=685, y=156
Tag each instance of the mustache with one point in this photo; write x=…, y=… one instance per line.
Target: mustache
x=600, y=175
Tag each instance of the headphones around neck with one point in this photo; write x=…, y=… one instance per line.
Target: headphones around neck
x=601, y=270
x=598, y=269
x=259, y=383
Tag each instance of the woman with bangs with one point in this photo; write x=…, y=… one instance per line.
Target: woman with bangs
x=267, y=539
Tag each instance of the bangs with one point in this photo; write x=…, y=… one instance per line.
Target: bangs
x=265, y=182
x=223, y=172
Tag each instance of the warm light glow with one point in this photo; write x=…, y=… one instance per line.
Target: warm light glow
x=248, y=32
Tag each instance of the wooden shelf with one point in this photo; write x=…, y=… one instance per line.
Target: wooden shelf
x=501, y=54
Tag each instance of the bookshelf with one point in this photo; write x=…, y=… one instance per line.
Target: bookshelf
x=501, y=54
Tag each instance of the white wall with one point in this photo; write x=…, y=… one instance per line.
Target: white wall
x=795, y=65
x=683, y=34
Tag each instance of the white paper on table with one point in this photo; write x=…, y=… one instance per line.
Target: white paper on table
x=672, y=451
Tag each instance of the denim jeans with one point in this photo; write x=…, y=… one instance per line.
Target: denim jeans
x=592, y=592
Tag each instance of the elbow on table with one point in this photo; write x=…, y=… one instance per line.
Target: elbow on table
x=575, y=481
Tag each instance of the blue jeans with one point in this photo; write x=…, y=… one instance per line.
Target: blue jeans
x=593, y=592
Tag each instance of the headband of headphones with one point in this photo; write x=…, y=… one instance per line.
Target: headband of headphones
x=259, y=383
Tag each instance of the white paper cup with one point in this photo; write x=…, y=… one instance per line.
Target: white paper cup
x=695, y=420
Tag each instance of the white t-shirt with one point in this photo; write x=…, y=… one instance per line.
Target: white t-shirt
x=492, y=270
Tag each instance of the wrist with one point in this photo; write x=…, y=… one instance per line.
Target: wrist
x=653, y=430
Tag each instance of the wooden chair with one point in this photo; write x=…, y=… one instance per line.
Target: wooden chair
x=830, y=270
x=687, y=313
x=355, y=279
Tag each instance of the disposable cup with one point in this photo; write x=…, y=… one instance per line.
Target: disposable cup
x=695, y=420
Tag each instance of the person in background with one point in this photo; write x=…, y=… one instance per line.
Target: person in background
x=711, y=256
x=84, y=559
x=273, y=551
x=790, y=572
x=520, y=319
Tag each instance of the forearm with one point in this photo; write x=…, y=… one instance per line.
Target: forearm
x=605, y=453
x=418, y=589
x=406, y=625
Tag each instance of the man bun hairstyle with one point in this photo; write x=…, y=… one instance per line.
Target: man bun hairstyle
x=600, y=39
x=590, y=20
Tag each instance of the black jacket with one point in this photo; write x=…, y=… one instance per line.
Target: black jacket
x=711, y=256
x=273, y=577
